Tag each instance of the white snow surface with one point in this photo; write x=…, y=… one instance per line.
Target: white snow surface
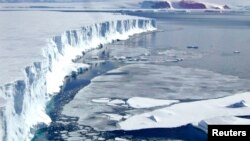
x=143, y=102
x=214, y=111
x=37, y=48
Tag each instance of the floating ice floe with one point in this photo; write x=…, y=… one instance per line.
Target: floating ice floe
x=143, y=102
x=193, y=47
x=101, y=100
x=120, y=139
x=215, y=110
x=236, y=52
x=116, y=102
x=174, y=60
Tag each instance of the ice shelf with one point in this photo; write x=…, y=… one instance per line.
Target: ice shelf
x=37, y=48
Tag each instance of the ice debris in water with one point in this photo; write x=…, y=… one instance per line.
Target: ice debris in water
x=116, y=102
x=193, y=47
x=101, y=100
x=120, y=139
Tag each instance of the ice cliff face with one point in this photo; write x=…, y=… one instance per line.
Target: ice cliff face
x=22, y=107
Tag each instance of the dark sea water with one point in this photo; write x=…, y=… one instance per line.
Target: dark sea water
x=157, y=65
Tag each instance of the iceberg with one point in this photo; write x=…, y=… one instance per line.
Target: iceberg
x=37, y=50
